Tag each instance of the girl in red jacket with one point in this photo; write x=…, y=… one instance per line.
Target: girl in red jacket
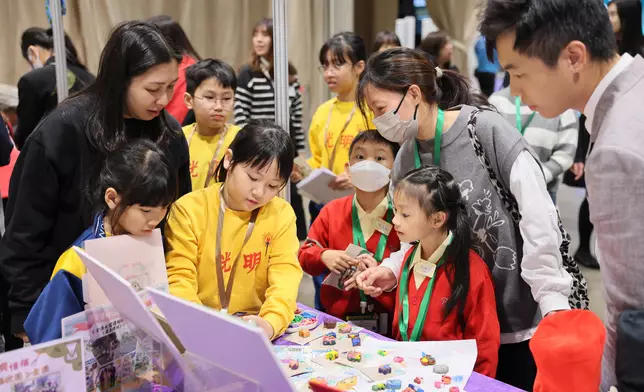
x=363, y=220
x=445, y=291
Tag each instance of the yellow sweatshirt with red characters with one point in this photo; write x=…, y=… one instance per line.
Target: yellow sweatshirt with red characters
x=323, y=143
x=268, y=273
x=203, y=148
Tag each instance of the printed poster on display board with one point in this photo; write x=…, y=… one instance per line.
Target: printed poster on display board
x=54, y=366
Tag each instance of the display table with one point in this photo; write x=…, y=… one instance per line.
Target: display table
x=476, y=383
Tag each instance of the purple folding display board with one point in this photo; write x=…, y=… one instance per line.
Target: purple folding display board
x=224, y=341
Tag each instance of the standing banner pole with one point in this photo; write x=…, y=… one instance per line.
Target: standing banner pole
x=280, y=77
x=60, y=52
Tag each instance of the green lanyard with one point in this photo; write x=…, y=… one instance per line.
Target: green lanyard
x=440, y=121
x=520, y=127
x=358, y=237
x=403, y=320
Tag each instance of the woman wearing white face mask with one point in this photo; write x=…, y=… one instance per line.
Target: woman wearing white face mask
x=433, y=114
x=37, y=88
x=363, y=220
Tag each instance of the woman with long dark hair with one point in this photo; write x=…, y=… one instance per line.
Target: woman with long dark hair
x=47, y=207
x=178, y=38
x=626, y=18
x=37, y=88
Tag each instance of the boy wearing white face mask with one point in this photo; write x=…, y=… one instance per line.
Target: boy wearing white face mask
x=363, y=220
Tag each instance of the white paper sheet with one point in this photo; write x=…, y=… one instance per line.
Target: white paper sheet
x=139, y=260
x=316, y=186
x=459, y=356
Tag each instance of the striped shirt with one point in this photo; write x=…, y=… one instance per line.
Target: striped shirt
x=255, y=99
x=554, y=140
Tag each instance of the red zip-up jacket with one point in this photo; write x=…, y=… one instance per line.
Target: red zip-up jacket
x=333, y=230
x=482, y=323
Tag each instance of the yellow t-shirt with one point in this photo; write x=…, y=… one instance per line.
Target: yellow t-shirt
x=268, y=273
x=202, y=149
x=322, y=145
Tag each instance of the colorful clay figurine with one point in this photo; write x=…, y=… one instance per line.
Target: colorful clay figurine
x=303, y=320
x=329, y=324
x=441, y=369
x=345, y=328
x=332, y=355
x=399, y=359
x=394, y=384
x=382, y=353
x=378, y=387
x=331, y=334
x=328, y=341
x=454, y=389
x=354, y=356
x=384, y=369
x=353, y=335
x=355, y=342
x=446, y=380
x=457, y=378
x=427, y=360
x=438, y=385
x=418, y=380
x=305, y=333
x=294, y=365
x=410, y=388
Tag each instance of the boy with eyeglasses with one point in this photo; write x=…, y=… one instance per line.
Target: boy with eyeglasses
x=210, y=93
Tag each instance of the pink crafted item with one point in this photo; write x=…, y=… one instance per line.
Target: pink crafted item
x=399, y=359
x=303, y=321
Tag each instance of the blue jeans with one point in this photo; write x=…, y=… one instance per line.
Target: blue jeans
x=553, y=196
x=314, y=210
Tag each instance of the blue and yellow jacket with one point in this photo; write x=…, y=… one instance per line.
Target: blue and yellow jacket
x=63, y=295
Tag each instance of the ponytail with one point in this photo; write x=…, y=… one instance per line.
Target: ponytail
x=398, y=68
x=459, y=252
x=71, y=54
x=454, y=90
x=436, y=190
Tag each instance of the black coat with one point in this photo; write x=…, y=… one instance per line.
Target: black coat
x=38, y=96
x=580, y=155
x=6, y=146
x=46, y=210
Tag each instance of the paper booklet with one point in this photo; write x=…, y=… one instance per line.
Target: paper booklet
x=54, y=366
x=316, y=187
x=337, y=280
x=138, y=260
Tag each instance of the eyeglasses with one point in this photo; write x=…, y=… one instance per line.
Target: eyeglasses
x=333, y=68
x=225, y=102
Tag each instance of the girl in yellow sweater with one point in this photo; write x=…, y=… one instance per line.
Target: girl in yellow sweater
x=233, y=246
x=337, y=121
